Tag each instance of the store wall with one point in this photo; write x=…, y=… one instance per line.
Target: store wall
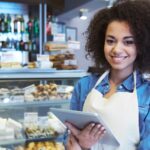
x=13, y=8
x=81, y=26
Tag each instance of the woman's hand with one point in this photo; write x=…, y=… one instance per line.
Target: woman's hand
x=88, y=136
x=72, y=143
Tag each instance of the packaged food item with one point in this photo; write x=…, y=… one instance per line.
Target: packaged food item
x=49, y=91
x=10, y=129
x=32, y=65
x=52, y=46
x=42, y=127
x=45, y=145
x=17, y=95
x=56, y=124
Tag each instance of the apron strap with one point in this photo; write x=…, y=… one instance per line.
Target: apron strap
x=101, y=77
x=107, y=72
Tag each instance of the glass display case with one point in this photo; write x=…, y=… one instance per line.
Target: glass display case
x=25, y=98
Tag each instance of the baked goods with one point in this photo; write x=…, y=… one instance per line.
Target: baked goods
x=4, y=91
x=52, y=46
x=45, y=145
x=65, y=67
x=32, y=65
x=12, y=65
x=29, y=97
x=65, y=61
x=49, y=91
x=43, y=92
x=43, y=127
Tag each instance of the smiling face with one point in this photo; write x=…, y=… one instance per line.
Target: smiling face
x=119, y=48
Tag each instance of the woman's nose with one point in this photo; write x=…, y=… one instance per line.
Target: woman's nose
x=117, y=48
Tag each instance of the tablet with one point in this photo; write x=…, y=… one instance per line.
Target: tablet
x=78, y=118
x=81, y=119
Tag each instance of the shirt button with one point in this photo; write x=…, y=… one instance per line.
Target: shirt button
x=120, y=87
x=107, y=86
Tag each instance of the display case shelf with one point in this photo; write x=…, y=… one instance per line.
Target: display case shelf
x=51, y=103
x=40, y=73
x=59, y=138
x=12, y=142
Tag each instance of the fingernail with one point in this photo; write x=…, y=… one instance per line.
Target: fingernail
x=99, y=126
x=102, y=128
x=104, y=131
x=92, y=124
x=69, y=132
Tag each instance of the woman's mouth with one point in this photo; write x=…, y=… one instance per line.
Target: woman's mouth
x=118, y=59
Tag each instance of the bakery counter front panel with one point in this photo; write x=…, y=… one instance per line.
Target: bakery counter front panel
x=39, y=97
x=26, y=97
x=25, y=73
x=32, y=128
x=38, y=92
x=33, y=94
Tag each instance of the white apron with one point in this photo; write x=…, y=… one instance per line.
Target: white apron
x=119, y=112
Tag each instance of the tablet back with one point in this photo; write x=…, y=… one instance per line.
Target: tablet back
x=81, y=119
x=78, y=118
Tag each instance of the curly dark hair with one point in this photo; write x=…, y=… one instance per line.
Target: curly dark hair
x=137, y=14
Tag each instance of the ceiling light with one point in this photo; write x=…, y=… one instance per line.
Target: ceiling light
x=110, y=3
x=83, y=14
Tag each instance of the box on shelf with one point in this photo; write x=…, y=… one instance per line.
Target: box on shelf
x=10, y=129
x=53, y=46
x=13, y=59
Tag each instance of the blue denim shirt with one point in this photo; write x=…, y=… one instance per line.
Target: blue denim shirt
x=85, y=84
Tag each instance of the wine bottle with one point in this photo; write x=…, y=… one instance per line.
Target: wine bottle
x=21, y=45
x=2, y=23
x=8, y=26
x=30, y=28
x=22, y=27
x=15, y=24
x=36, y=27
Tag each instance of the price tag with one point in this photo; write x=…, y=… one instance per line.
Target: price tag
x=31, y=118
x=42, y=57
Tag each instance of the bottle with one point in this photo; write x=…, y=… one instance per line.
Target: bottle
x=26, y=46
x=30, y=50
x=30, y=28
x=22, y=27
x=19, y=24
x=8, y=28
x=36, y=27
x=15, y=24
x=17, y=45
x=34, y=47
x=30, y=46
x=21, y=45
x=2, y=23
x=48, y=25
x=5, y=24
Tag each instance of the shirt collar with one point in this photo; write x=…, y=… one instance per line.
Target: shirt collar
x=128, y=84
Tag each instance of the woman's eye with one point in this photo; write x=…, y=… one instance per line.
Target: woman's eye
x=109, y=41
x=129, y=42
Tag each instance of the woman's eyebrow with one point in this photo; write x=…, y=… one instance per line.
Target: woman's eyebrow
x=110, y=36
x=128, y=37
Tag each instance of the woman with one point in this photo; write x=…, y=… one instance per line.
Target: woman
x=118, y=39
